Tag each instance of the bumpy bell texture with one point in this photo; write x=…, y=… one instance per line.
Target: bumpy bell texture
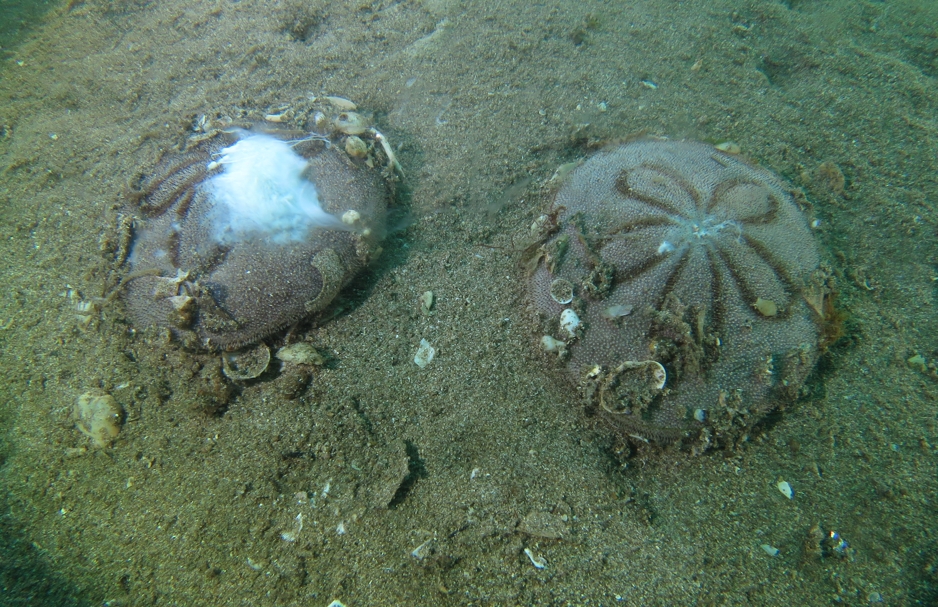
x=688, y=266
x=248, y=233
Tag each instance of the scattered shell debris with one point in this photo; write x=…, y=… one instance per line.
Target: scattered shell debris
x=785, y=489
x=425, y=354
x=561, y=291
x=98, y=416
x=539, y=562
x=245, y=364
x=569, y=321
x=336, y=603
x=300, y=354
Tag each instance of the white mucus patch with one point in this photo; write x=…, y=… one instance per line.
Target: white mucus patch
x=262, y=193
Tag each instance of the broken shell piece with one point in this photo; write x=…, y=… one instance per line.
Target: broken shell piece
x=318, y=119
x=765, y=307
x=281, y=117
x=425, y=354
x=351, y=217
x=785, y=489
x=770, y=550
x=539, y=562
x=539, y=225
x=561, y=291
x=632, y=386
x=730, y=147
x=98, y=416
x=616, y=312
x=300, y=354
x=246, y=364
x=553, y=345
x=356, y=147
x=569, y=321
x=426, y=301
x=341, y=103
x=350, y=123
x=184, y=308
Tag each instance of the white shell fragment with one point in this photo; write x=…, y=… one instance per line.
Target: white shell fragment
x=245, y=364
x=616, y=312
x=539, y=562
x=341, y=103
x=423, y=550
x=730, y=147
x=657, y=370
x=770, y=550
x=786, y=489
x=425, y=354
x=300, y=354
x=351, y=217
x=293, y=534
x=561, y=291
x=569, y=321
x=552, y=345
x=426, y=301
x=98, y=416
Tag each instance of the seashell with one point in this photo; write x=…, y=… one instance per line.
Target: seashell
x=355, y=147
x=561, y=291
x=765, y=307
x=569, y=321
x=98, y=416
x=425, y=354
x=770, y=550
x=299, y=354
x=552, y=345
x=245, y=364
x=729, y=147
x=350, y=123
x=616, y=312
x=426, y=301
x=341, y=103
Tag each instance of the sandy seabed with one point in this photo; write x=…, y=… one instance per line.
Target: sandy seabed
x=426, y=486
